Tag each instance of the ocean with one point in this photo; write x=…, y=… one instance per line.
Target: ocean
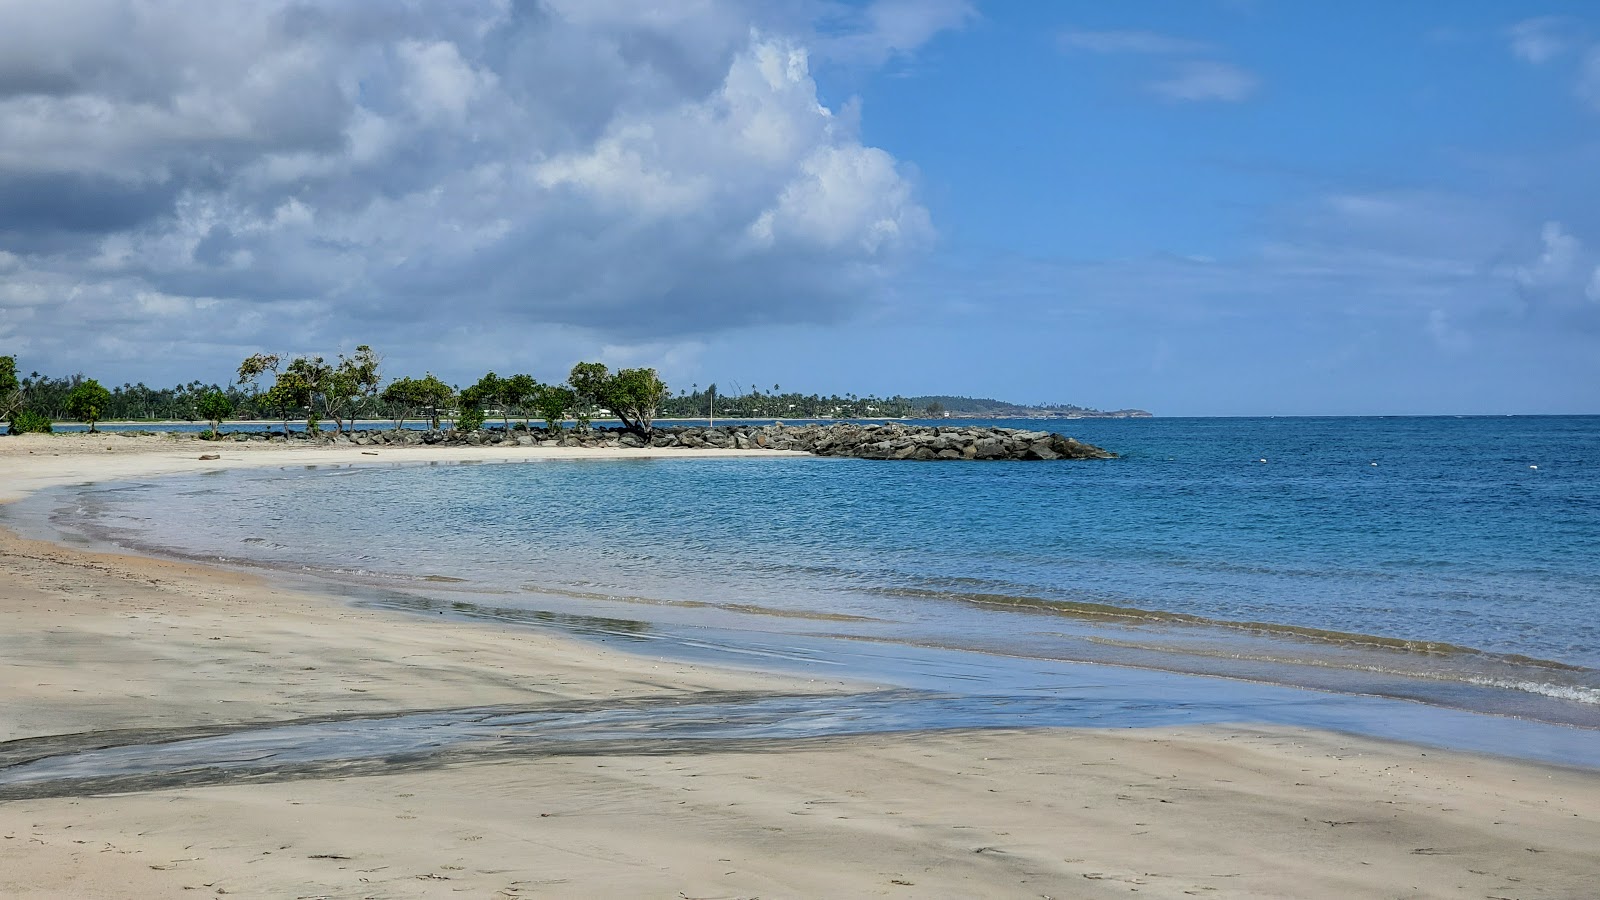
x=1449, y=561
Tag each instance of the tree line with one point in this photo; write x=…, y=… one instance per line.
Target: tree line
x=312, y=389
x=315, y=390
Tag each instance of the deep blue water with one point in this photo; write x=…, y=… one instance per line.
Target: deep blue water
x=1304, y=551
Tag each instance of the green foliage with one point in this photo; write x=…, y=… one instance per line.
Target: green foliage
x=312, y=384
x=88, y=401
x=469, y=410
x=251, y=370
x=288, y=396
x=554, y=401
x=519, y=391
x=632, y=395
x=215, y=406
x=410, y=396
x=491, y=388
x=589, y=380
x=635, y=396
x=27, y=421
x=11, y=394
x=354, y=377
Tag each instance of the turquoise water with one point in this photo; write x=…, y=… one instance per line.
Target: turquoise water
x=1450, y=560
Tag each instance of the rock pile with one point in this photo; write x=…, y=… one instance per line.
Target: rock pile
x=892, y=440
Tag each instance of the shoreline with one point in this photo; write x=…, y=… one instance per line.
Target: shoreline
x=98, y=642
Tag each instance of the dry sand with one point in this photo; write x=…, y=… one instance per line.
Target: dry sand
x=93, y=642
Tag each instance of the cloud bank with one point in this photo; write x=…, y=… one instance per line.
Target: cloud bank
x=225, y=178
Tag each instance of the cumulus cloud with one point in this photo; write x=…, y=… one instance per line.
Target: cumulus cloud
x=1555, y=263
x=276, y=175
x=1560, y=280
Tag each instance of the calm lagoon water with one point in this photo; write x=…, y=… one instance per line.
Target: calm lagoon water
x=1450, y=560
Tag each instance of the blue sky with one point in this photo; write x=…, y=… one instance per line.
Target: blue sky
x=1198, y=208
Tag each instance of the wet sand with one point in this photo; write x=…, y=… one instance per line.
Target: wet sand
x=95, y=644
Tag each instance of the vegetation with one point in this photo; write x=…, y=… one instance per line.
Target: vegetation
x=88, y=401
x=308, y=388
x=408, y=397
x=215, y=406
x=10, y=388
x=469, y=410
x=554, y=402
x=634, y=396
x=25, y=421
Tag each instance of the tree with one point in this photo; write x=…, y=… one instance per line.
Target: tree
x=354, y=378
x=520, y=391
x=935, y=409
x=435, y=396
x=491, y=388
x=11, y=393
x=279, y=398
x=88, y=401
x=409, y=396
x=215, y=406
x=589, y=381
x=469, y=410
x=636, y=396
x=554, y=401
x=633, y=395
x=404, y=398
x=290, y=393
x=334, y=388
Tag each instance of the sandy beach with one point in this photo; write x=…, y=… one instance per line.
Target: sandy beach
x=100, y=645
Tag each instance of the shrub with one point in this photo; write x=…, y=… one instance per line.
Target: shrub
x=470, y=417
x=26, y=421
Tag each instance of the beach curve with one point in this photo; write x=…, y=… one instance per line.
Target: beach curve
x=97, y=643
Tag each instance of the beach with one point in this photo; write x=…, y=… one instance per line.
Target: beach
x=101, y=644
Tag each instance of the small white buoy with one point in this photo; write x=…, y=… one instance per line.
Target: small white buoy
x=1372, y=464
x=1263, y=459
x=1533, y=467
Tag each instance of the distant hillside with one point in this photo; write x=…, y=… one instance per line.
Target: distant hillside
x=985, y=407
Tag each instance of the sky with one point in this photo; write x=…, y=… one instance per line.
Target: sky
x=1194, y=207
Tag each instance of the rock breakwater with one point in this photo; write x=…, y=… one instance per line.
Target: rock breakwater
x=887, y=441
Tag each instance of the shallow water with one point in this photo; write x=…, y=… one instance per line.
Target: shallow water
x=1415, y=558
x=987, y=693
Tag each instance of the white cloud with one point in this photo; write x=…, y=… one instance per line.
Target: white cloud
x=1555, y=263
x=885, y=29
x=1207, y=81
x=1542, y=39
x=345, y=173
x=1560, y=278
x=847, y=197
x=1188, y=80
x=440, y=83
